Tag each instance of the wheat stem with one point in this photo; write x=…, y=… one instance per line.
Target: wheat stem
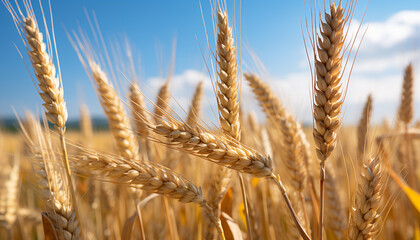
x=279, y=184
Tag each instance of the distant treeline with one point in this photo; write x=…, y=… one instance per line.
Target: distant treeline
x=12, y=125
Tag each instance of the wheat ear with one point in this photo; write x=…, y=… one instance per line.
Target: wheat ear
x=365, y=214
x=327, y=92
x=405, y=111
x=227, y=85
x=146, y=176
x=114, y=110
x=195, y=108
x=209, y=146
x=49, y=84
x=362, y=129
x=327, y=88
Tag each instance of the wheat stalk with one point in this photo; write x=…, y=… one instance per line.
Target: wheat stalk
x=218, y=185
x=365, y=213
x=327, y=92
x=335, y=216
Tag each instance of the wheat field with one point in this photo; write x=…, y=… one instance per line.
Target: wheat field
x=155, y=173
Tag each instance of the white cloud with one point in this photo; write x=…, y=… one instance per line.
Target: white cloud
x=395, y=30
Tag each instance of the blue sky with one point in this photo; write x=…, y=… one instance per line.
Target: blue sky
x=269, y=29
